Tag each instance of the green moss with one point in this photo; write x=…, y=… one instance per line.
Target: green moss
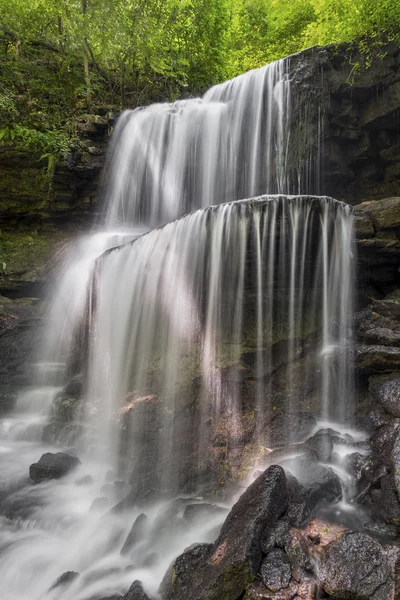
x=23, y=189
x=24, y=255
x=234, y=577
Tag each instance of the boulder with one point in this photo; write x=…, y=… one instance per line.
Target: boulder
x=276, y=536
x=374, y=359
x=65, y=579
x=379, y=529
x=275, y=570
x=355, y=463
x=74, y=387
x=53, y=466
x=136, y=534
x=385, y=389
x=363, y=226
x=289, y=427
x=384, y=214
x=227, y=567
x=318, y=484
x=136, y=592
x=357, y=567
x=297, y=548
x=382, y=336
x=382, y=440
x=389, y=306
x=385, y=504
x=321, y=443
x=258, y=591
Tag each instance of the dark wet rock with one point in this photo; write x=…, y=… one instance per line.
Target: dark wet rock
x=382, y=336
x=384, y=214
x=258, y=591
x=65, y=579
x=377, y=417
x=177, y=580
x=385, y=505
x=321, y=443
x=275, y=570
x=136, y=592
x=202, y=511
x=309, y=589
x=363, y=225
x=276, y=536
x=380, y=320
x=355, y=463
x=74, y=387
x=336, y=436
x=53, y=466
x=226, y=568
x=374, y=359
x=357, y=567
x=385, y=389
x=291, y=428
x=381, y=529
x=322, y=533
x=318, y=484
x=138, y=530
x=382, y=440
x=389, y=306
x=297, y=548
x=374, y=470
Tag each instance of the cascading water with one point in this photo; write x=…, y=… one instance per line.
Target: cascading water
x=178, y=335
x=202, y=297
x=231, y=144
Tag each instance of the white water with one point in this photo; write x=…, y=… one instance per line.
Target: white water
x=232, y=143
x=165, y=315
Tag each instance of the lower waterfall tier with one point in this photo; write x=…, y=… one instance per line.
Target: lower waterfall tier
x=174, y=402
x=214, y=337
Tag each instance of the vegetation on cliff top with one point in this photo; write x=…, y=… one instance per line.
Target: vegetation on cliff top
x=61, y=59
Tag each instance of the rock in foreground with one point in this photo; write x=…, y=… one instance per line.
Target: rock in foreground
x=358, y=567
x=53, y=466
x=224, y=569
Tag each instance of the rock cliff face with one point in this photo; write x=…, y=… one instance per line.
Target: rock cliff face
x=354, y=112
x=31, y=196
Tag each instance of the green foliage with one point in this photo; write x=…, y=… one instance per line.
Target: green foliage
x=47, y=143
x=59, y=59
x=8, y=109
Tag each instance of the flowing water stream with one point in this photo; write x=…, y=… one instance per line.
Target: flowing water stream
x=175, y=334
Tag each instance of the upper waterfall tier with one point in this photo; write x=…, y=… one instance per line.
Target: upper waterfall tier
x=169, y=159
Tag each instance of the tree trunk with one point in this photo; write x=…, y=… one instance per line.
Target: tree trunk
x=86, y=59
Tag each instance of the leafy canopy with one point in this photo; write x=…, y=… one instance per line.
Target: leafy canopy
x=61, y=58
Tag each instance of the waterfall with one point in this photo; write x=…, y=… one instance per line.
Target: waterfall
x=170, y=159
x=185, y=309
x=207, y=322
